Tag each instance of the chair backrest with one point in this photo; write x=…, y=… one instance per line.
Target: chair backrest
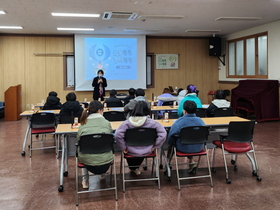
x=96, y=143
x=168, y=103
x=241, y=131
x=121, y=94
x=51, y=107
x=140, y=136
x=66, y=118
x=173, y=115
x=194, y=134
x=114, y=104
x=223, y=112
x=114, y=116
x=42, y=120
x=200, y=112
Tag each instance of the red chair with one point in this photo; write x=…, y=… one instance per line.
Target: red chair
x=141, y=137
x=193, y=135
x=42, y=123
x=239, y=140
x=96, y=144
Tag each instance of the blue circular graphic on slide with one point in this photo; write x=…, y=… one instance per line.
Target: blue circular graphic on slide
x=99, y=52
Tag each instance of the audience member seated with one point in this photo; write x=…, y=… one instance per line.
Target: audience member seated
x=113, y=101
x=219, y=102
x=189, y=119
x=165, y=96
x=92, y=121
x=52, y=102
x=71, y=105
x=131, y=95
x=181, y=95
x=140, y=96
x=191, y=96
x=139, y=118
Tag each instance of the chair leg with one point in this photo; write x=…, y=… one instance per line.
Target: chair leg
x=177, y=170
x=30, y=146
x=111, y=170
x=157, y=169
x=208, y=165
x=225, y=163
x=115, y=178
x=77, y=184
x=213, y=159
x=123, y=173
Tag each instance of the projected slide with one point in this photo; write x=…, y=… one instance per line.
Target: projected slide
x=121, y=57
x=117, y=57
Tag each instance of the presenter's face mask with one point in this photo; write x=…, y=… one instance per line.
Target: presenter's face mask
x=100, y=75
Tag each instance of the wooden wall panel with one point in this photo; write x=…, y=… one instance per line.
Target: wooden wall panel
x=54, y=66
x=35, y=69
x=195, y=65
x=41, y=74
x=14, y=62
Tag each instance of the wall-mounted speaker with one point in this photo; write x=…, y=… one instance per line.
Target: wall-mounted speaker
x=215, y=46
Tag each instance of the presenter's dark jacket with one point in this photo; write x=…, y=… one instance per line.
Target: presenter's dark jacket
x=95, y=85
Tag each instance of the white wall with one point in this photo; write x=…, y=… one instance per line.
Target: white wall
x=273, y=30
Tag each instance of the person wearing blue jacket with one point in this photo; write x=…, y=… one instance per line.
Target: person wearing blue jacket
x=191, y=96
x=189, y=119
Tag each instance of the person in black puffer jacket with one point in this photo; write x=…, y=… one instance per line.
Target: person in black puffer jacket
x=52, y=102
x=71, y=105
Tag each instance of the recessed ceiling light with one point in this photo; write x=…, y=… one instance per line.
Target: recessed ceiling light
x=161, y=16
x=138, y=29
x=202, y=31
x=75, y=29
x=75, y=15
x=238, y=18
x=2, y=12
x=10, y=27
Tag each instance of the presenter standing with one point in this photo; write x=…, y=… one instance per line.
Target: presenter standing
x=99, y=83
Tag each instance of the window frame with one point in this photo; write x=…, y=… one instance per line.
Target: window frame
x=244, y=39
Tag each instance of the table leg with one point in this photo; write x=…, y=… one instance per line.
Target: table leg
x=25, y=138
x=60, y=188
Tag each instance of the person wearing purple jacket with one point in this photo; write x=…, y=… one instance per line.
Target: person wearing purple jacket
x=139, y=118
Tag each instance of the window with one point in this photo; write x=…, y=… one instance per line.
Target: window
x=247, y=57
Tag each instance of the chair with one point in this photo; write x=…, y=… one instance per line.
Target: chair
x=193, y=135
x=200, y=112
x=68, y=118
x=223, y=112
x=114, y=104
x=42, y=123
x=121, y=94
x=168, y=103
x=114, y=116
x=95, y=144
x=51, y=107
x=239, y=140
x=141, y=137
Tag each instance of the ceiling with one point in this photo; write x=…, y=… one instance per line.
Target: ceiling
x=35, y=16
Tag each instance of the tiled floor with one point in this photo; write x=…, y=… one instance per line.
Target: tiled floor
x=32, y=183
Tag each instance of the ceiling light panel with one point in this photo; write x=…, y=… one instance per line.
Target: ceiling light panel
x=75, y=15
x=2, y=12
x=161, y=16
x=202, y=31
x=10, y=27
x=238, y=18
x=75, y=29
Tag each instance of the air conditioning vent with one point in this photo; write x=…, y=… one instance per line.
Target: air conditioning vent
x=119, y=15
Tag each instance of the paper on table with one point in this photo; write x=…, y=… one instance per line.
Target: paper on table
x=115, y=109
x=205, y=106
